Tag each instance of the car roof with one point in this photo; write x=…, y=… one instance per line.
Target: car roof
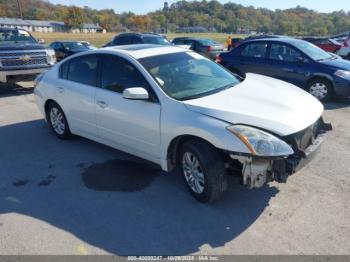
x=288, y=40
x=145, y=50
x=139, y=34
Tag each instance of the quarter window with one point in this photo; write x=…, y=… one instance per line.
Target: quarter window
x=284, y=53
x=118, y=74
x=83, y=70
x=257, y=50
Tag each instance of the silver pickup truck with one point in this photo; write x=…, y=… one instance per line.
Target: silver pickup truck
x=22, y=56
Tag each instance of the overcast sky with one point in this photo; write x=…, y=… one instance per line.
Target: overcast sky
x=144, y=6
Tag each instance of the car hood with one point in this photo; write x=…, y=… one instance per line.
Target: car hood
x=263, y=102
x=337, y=63
x=21, y=46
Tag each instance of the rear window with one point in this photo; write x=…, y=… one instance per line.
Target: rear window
x=207, y=42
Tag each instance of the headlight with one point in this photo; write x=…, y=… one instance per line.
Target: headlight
x=261, y=143
x=343, y=74
x=51, y=57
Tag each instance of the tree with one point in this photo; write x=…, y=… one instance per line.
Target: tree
x=74, y=18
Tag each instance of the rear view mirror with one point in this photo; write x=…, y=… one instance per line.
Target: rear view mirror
x=136, y=93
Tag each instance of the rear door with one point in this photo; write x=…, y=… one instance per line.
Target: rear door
x=75, y=93
x=131, y=125
x=253, y=58
x=288, y=64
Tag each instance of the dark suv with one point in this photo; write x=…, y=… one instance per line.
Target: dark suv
x=137, y=38
x=295, y=61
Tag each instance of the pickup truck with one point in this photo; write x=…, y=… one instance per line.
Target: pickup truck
x=22, y=56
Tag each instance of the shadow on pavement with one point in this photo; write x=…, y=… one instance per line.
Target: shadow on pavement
x=8, y=90
x=113, y=201
x=337, y=103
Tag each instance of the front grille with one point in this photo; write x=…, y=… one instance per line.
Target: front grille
x=21, y=62
x=19, y=54
x=303, y=139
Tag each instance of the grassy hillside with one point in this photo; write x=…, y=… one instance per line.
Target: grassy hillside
x=100, y=39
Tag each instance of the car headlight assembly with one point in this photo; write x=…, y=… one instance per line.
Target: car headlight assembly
x=51, y=56
x=343, y=74
x=261, y=143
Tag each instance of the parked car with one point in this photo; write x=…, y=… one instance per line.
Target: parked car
x=203, y=46
x=138, y=38
x=327, y=44
x=344, y=51
x=65, y=49
x=182, y=111
x=21, y=56
x=295, y=61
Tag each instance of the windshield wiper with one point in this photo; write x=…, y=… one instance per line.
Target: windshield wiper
x=210, y=92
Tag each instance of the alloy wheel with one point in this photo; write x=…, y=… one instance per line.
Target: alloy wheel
x=57, y=121
x=193, y=172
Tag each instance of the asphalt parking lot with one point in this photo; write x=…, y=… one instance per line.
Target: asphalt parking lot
x=80, y=197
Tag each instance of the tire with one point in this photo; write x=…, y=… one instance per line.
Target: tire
x=213, y=182
x=58, y=121
x=321, y=89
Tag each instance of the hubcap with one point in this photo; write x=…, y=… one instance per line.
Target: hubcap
x=319, y=90
x=57, y=121
x=193, y=172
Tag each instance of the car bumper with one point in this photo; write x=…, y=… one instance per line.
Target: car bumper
x=19, y=73
x=283, y=168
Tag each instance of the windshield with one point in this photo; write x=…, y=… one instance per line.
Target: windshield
x=155, y=40
x=15, y=36
x=312, y=51
x=187, y=75
x=74, y=46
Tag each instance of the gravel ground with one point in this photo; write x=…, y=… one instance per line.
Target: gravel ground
x=80, y=197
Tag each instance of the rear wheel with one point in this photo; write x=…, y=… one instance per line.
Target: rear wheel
x=204, y=171
x=58, y=121
x=321, y=89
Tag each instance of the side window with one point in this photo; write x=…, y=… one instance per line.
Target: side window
x=284, y=53
x=123, y=40
x=64, y=70
x=118, y=74
x=83, y=70
x=256, y=50
x=137, y=40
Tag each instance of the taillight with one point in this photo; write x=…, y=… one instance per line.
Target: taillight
x=209, y=48
x=218, y=59
x=346, y=44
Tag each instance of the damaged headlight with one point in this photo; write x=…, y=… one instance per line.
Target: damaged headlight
x=261, y=143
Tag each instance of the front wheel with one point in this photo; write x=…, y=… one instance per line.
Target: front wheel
x=203, y=170
x=321, y=89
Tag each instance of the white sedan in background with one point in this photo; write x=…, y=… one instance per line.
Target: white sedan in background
x=182, y=111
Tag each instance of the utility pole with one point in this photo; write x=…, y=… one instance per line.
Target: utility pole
x=20, y=9
x=165, y=10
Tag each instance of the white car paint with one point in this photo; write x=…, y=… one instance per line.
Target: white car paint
x=344, y=51
x=147, y=129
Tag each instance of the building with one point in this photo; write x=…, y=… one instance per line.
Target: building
x=47, y=26
x=14, y=22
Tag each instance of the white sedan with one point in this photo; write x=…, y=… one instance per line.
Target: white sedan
x=180, y=110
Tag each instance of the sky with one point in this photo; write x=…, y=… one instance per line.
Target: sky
x=145, y=6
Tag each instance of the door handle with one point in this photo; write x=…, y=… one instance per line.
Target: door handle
x=60, y=89
x=102, y=104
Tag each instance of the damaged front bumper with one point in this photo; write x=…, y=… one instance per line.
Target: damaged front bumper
x=257, y=171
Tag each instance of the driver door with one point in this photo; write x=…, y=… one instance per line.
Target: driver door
x=131, y=125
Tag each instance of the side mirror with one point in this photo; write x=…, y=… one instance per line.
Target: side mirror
x=41, y=41
x=302, y=60
x=136, y=93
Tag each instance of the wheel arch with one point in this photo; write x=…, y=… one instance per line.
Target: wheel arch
x=175, y=144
